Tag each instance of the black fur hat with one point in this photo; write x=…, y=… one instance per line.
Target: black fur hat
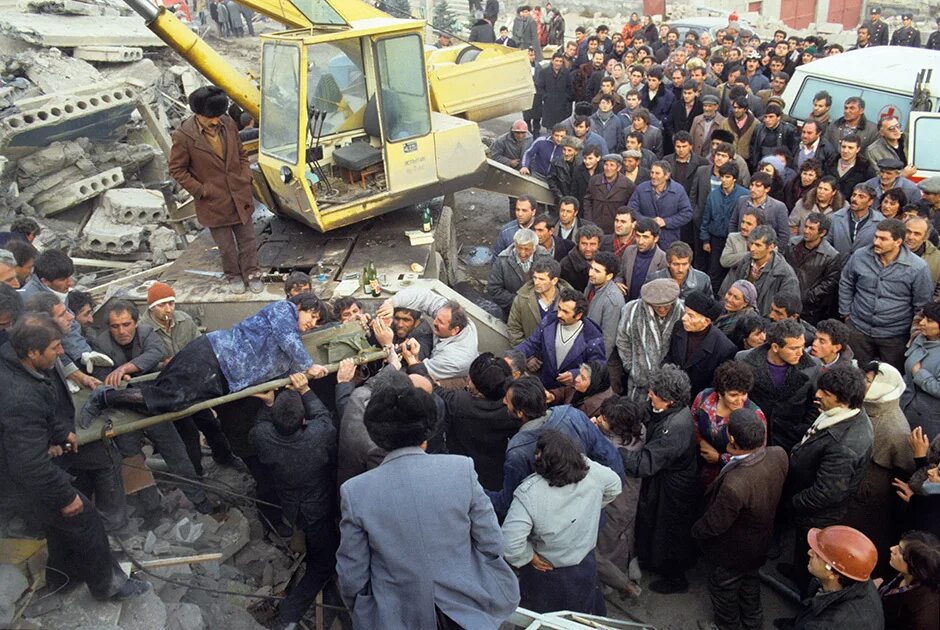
x=209, y=101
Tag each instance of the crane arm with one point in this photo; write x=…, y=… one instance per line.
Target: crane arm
x=200, y=55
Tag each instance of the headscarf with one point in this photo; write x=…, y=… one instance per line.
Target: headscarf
x=748, y=290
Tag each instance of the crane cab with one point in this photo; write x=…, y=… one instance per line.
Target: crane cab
x=346, y=129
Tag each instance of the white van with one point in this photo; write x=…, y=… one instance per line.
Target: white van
x=886, y=79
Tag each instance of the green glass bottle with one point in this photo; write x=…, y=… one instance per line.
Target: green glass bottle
x=427, y=223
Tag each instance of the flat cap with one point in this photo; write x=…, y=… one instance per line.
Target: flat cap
x=660, y=292
x=613, y=157
x=6, y=258
x=931, y=185
x=890, y=164
x=633, y=153
x=907, y=16
x=709, y=99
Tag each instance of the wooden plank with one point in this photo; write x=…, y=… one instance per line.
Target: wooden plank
x=153, y=271
x=156, y=129
x=169, y=562
x=102, y=264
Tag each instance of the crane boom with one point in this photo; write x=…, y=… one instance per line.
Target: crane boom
x=200, y=55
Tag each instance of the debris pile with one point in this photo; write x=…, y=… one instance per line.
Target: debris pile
x=85, y=116
x=205, y=573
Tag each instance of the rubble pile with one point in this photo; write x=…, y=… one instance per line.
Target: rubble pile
x=84, y=124
x=186, y=595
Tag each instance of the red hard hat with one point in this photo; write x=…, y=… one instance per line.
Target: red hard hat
x=845, y=549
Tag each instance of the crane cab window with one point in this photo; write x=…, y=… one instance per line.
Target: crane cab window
x=280, y=102
x=336, y=85
x=403, y=88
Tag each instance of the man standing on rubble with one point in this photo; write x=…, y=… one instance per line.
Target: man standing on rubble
x=207, y=160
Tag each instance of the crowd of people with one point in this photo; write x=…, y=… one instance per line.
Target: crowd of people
x=725, y=348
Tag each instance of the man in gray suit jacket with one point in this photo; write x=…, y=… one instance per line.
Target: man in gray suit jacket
x=605, y=301
x=421, y=546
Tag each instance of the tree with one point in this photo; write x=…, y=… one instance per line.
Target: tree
x=398, y=8
x=443, y=18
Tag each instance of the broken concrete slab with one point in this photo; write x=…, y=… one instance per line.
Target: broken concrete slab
x=81, y=169
x=66, y=7
x=164, y=241
x=53, y=72
x=65, y=197
x=140, y=74
x=184, y=616
x=52, y=30
x=109, y=54
x=55, y=157
x=12, y=585
x=97, y=112
x=234, y=533
x=79, y=609
x=133, y=206
x=143, y=613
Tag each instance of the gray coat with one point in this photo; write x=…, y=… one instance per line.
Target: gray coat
x=694, y=281
x=839, y=235
x=882, y=300
x=507, y=277
x=604, y=311
x=418, y=533
x=505, y=148
x=146, y=350
x=777, y=277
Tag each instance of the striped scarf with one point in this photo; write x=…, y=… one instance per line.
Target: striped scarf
x=649, y=339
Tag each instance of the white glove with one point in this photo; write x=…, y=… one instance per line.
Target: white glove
x=91, y=359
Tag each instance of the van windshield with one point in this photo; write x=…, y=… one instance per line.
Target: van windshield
x=878, y=103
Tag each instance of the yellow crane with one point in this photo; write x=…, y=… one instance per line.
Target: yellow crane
x=357, y=116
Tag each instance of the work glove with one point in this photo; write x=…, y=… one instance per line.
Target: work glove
x=92, y=359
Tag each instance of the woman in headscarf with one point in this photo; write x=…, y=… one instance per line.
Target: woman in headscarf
x=774, y=166
x=590, y=388
x=874, y=510
x=740, y=300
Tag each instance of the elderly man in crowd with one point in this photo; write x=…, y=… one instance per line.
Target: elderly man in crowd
x=644, y=332
x=510, y=269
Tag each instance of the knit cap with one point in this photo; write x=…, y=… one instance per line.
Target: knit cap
x=160, y=293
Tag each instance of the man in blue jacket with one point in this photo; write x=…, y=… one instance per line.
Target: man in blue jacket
x=525, y=400
x=538, y=158
x=719, y=206
x=664, y=201
x=564, y=340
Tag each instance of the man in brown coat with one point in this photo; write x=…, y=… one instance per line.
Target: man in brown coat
x=606, y=192
x=207, y=160
x=736, y=529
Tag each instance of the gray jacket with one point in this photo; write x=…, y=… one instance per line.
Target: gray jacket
x=629, y=259
x=507, y=277
x=735, y=250
x=73, y=342
x=146, y=350
x=604, y=311
x=867, y=132
x=694, y=281
x=778, y=276
x=881, y=301
x=505, y=148
x=840, y=234
x=911, y=190
x=449, y=522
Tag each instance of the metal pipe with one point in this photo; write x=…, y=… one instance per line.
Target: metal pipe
x=90, y=435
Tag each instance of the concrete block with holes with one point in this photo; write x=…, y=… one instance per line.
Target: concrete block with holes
x=109, y=54
x=103, y=236
x=133, y=206
x=64, y=197
x=98, y=112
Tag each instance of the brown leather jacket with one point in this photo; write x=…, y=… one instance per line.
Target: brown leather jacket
x=221, y=188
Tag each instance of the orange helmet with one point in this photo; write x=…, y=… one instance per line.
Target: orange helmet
x=845, y=550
